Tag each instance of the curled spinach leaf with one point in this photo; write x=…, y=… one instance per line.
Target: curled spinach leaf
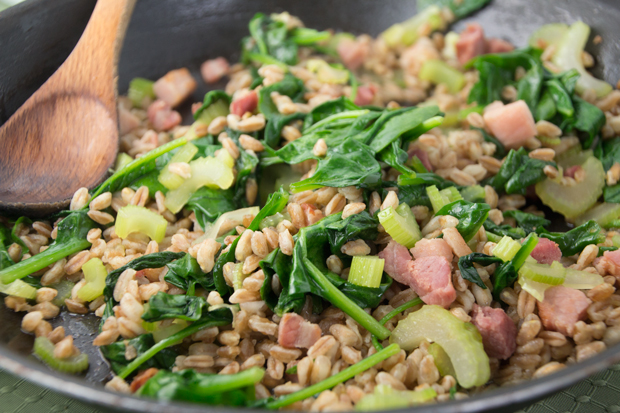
x=115, y=353
x=529, y=222
x=163, y=306
x=575, y=240
x=471, y=216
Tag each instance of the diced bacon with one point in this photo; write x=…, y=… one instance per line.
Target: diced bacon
x=413, y=57
x=562, y=308
x=423, y=157
x=296, y=332
x=471, y=43
x=162, y=116
x=495, y=45
x=175, y=86
x=612, y=256
x=246, y=103
x=214, y=69
x=127, y=121
x=365, y=95
x=546, y=251
x=431, y=279
x=513, y=124
x=435, y=247
x=498, y=331
x=142, y=378
x=572, y=170
x=397, y=259
x=353, y=52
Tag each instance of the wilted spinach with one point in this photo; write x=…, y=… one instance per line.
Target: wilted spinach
x=575, y=240
x=208, y=204
x=529, y=222
x=471, y=216
x=184, y=307
x=185, y=273
x=503, y=230
x=210, y=98
x=504, y=276
x=460, y=8
x=518, y=172
x=115, y=353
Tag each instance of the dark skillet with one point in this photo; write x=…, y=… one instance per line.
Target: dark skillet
x=35, y=37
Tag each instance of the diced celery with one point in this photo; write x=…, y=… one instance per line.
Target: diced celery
x=572, y=201
x=464, y=112
x=527, y=246
x=605, y=214
x=548, y=34
x=140, y=92
x=450, y=119
x=451, y=193
x=121, y=160
x=366, y=271
x=548, y=141
x=506, y=248
x=461, y=341
x=63, y=289
x=568, y=56
x=438, y=200
x=439, y=72
x=573, y=156
x=274, y=220
x=44, y=350
x=542, y=273
x=401, y=225
x=236, y=217
x=449, y=48
x=385, y=398
x=150, y=327
x=238, y=276
x=473, y=193
x=407, y=32
x=327, y=73
x=185, y=154
x=226, y=158
x=133, y=218
x=163, y=333
x=95, y=274
x=207, y=171
x=535, y=289
x=19, y=288
x=582, y=280
x=215, y=109
x=442, y=360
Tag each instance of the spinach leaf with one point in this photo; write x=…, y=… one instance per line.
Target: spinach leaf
x=5, y=242
x=208, y=204
x=115, y=353
x=163, y=306
x=70, y=238
x=471, y=216
x=468, y=271
x=505, y=276
x=575, y=240
x=351, y=163
x=412, y=195
x=394, y=156
x=612, y=193
x=589, y=119
x=460, y=8
x=245, y=165
x=608, y=152
x=364, y=297
x=358, y=226
x=274, y=126
x=426, y=179
x=529, y=222
x=212, y=389
x=518, y=172
x=271, y=39
x=326, y=109
x=393, y=124
x=185, y=273
x=504, y=230
x=210, y=98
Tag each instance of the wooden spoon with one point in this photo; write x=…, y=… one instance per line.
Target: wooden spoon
x=66, y=135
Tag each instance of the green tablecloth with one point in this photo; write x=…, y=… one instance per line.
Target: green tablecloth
x=598, y=394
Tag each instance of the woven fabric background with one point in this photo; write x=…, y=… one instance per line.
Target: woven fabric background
x=598, y=394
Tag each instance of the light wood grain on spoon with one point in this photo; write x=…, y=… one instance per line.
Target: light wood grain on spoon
x=65, y=136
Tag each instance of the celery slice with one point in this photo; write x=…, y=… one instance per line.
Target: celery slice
x=19, y=288
x=207, y=171
x=461, y=341
x=401, y=225
x=438, y=200
x=63, y=289
x=238, y=277
x=366, y=271
x=548, y=34
x=536, y=289
x=274, y=220
x=385, y=397
x=553, y=274
x=605, y=214
x=407, y=32
x=95, y=274
x=437, y=71
x=451, y=193
x=572, y=201
x=226, y=158
x=185, y=154
x=474, y=193
x=449, y=48
x=327, y=73
x=215, y=109
x=140, y=91
x=133, y=218
x=506, y=248
x=582, y=280
x=44, y=349
x=121, y=160
x=568, y=56
x=442, y=360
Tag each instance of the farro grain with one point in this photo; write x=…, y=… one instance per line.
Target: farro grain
x=140, y=197
x=391, y=200
x=355, y=248
x=46, y=308
x=242, y=296
x=335, y=205
x=586, y=351
x=44, y=329
x=334, y=264
x=297, y=216
x=80, y=199
x=286, y=242
x=75, y=264
x=271, y=237
x=244, y=246
x=251, y=191
x=248, y=142
x=353, y=209
x=456, y=242
x=46, y=294
x=375, y=203
x=257, y=360
x=31, y=321
x=64, y=348
x=290, y=133
x=320, y=148
x=601, y=292
x=544, y=154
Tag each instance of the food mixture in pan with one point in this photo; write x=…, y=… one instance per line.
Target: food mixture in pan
x=352, y=223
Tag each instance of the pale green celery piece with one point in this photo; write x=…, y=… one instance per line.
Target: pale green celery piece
x=274, y=220
x=582, y=280
x=327, y=73
x=604, y=214
x=185, y=154
x=366, y=271
x=568, y=56
x=439, y=72
x=461, y=341
x=473, y=193
x=401, y=225
x=573, y=156
x=121, y=160
x=19, y=288
x=209, y=171
x=44, y=349
x=95, y=274
x=572, y=201
x=548, y=34
x=506, y=248
x=63, y=289
x=140, y=92
x=407, y=32
x=449, y=48
x=616, y=240
x=535, y=289
x=451, y=193
x=133, y=218
x=217, y=108
x=442, y=360
x=438, y=200
x=385, y=397
x=238, y=276
x=553, y=274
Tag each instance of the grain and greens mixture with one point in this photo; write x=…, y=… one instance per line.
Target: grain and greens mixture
x=353, y=223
